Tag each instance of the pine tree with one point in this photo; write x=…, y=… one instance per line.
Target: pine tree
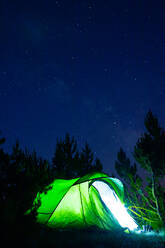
x=149, y=152
x=86, y=160
x=65, y=157
x=135, y=195
x=88, y=163
x=4, y=165
x=68, y=162
x=24, y=175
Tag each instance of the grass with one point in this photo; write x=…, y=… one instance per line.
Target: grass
x=87, y=238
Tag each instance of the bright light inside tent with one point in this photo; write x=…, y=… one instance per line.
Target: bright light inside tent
x=112, y=201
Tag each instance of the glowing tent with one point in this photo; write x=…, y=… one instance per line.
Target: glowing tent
x=92, y=200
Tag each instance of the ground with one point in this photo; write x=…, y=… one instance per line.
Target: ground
x=88, y=239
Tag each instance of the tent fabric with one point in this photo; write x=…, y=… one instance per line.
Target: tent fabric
x=77, y=203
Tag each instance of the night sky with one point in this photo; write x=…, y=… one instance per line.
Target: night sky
x=92, y=68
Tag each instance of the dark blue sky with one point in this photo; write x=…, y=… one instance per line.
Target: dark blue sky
x=90, y=68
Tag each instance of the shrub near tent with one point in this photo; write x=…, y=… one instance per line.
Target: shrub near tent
x=81, y=202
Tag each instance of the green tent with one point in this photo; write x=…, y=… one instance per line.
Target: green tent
x=92, y=200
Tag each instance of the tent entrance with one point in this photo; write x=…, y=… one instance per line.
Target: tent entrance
x=113, y=203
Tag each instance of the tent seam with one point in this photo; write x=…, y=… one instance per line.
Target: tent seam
x=93, y=206
x=59, y=203
x=82, y=204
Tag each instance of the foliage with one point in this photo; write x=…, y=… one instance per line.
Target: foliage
x=22, y=176
x=68, y=162
x=132, y=182
x=149, y=150
x=149, y=154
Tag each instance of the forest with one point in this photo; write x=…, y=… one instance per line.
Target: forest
x=23, y=174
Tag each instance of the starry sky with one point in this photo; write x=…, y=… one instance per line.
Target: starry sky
x=92, y=68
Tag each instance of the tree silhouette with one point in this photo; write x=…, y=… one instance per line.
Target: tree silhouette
x=149, y=154
x=134, y=191
x=128, y=173
x=87, y=162
x=65, y=157
x=68, y=162
x=22, y=176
